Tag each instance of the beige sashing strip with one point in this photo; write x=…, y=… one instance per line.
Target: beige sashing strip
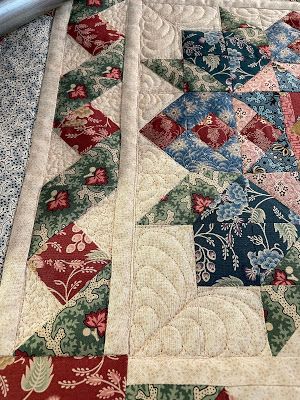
x=13, y=281
x=263, y=4
x=219, y=371
x=118, y=325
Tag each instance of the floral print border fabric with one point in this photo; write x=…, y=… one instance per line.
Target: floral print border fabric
x=63, y=377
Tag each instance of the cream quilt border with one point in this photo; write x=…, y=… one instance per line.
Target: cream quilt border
x=229, y=371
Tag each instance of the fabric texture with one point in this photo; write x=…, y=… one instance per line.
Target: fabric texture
x=23, y=57
x=166, y=234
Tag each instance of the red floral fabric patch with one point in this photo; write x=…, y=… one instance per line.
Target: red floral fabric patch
x=261, y=132
x=94, y=34
x=94, y=3
x=162, y=130
x=77, y=92
x=58, y=201
x=200, y=203
x=96, y=320
x=213, y=131
x=83, y=128
x=67, y=261
x=68, y=378
x=280, y=278
x=292, y=19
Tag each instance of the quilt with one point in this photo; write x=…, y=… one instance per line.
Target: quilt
x=155, y=248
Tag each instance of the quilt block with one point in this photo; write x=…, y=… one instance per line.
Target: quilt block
x=162, y=244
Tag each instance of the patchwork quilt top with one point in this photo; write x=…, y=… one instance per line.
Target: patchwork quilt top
x=155, y=251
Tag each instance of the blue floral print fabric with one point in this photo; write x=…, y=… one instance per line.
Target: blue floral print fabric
x=246, y=201
x=247, y=230
x=245, y=251
x=287, y=81
x=280, y=35
x=191, y=153
x=202, y=43
x=266, y=104
x=188, y=150
x=226, y=56
x=192, y=108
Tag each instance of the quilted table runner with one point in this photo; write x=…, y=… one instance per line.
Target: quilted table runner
x=155, y=248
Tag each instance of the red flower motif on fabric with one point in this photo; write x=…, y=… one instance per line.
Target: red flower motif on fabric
x=113, y=73
x=77, y=92
x=200, y=203
x=91, y=3
x=59, y=201
x=280, y=278
x=265, y=49
x=162, y=130
x=98, y=177
x=213, y=131
x=97, y=320
x=94, y=34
